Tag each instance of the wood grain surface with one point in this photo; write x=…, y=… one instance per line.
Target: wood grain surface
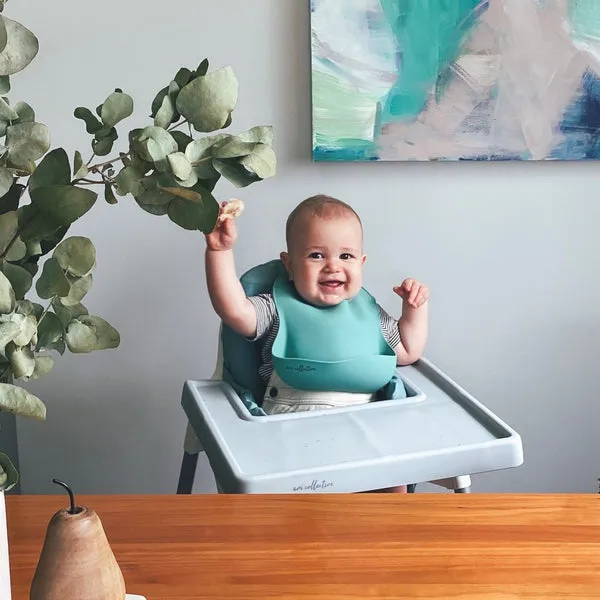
x=323, y=546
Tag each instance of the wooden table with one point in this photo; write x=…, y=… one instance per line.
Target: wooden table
x=428, y=546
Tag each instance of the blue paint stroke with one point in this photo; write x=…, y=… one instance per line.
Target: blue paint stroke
x=580, y=124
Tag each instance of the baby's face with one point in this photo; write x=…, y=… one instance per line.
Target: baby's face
x=325, y=260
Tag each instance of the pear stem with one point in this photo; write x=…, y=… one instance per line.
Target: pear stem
x=73, y=510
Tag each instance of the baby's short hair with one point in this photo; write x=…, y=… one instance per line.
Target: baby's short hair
x=322, y=206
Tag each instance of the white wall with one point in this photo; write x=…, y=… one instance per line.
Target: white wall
x=508, y=250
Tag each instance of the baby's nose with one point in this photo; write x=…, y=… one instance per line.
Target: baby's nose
x=332, y=264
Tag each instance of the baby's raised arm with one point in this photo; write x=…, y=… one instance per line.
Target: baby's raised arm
x=224, y=288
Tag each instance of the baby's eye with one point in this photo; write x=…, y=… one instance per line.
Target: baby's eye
x=315, y=255
x=346, y=256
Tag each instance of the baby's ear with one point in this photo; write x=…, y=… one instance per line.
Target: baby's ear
x=363, y=259
x=285, y=259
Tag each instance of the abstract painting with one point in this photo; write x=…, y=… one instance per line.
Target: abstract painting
x=425, y=80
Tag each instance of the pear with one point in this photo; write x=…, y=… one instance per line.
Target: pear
x=76, y=561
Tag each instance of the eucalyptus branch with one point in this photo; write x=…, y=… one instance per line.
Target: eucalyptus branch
x=46, y=310
x=9, y=245
x=95, y=167
x=179, y=124
x=84, y=181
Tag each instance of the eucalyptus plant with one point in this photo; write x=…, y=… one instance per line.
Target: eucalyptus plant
x=164, y=166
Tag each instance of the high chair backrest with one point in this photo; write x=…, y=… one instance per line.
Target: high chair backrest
x=241, y=358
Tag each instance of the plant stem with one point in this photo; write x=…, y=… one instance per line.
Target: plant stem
x=177, y=125
x=46, y=310
x=107, y=162
x=87, y=164
x=89, y=182
x=9, y=246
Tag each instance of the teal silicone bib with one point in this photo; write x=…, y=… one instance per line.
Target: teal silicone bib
x=333, y=348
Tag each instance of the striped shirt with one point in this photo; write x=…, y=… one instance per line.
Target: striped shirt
x=267, y=326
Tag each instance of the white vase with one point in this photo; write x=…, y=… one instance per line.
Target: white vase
x=4, y=562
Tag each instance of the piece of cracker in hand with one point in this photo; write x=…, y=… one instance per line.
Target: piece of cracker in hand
x=234, y=208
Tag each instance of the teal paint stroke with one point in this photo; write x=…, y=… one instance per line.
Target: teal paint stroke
x=429, y=34
x=585, y=19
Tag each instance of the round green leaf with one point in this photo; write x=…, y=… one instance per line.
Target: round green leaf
x=194, y=215
x=182, y=77
x=234, y=172
x=180, y=165
x=6, y=181
x=233, y=148
x=79, y=168
x=116, y=107
x=128, y=181
x=25, y=113
x=92, y=124
x=166, y=113
x=103, y=146
x=261, y=161
x=199, y=153
x=7, y=113
x=158, y=100
x=4, y=84
x=20, y=279
x=21, y=48
x=7, y=295
x=9, y=330
x=54, y=169
x=63, y=203
x=76, y=255
x=157, y=143
x=50, y=331
x=109, y=195
x=9, y=476
x=43, y=366
x=67, y=313
x=21, y=359
x=35, y=225
x=27, y=328
x=26, y=143
x=16, y=400
x=52, y=282
x=155, y=201
x=9, y=225
x=89, y=333
x=261, y=133
x=3, y=34
x=182, y=139
x=202, y=69
x=10, y=200
x=26, y=307
x=207, y=102
x=79, y=288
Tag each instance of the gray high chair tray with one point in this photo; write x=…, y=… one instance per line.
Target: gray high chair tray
x=437, y=432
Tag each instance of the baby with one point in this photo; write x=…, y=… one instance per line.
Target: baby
x=347, y=344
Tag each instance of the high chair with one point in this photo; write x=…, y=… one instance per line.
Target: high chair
x=436, y=432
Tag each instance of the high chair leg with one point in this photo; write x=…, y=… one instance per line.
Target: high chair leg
x=187, y=473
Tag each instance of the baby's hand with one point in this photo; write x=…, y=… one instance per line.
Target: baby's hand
x=413, y=292
x=224, y=235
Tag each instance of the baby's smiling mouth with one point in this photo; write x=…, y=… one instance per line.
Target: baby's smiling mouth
x=331, y=283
